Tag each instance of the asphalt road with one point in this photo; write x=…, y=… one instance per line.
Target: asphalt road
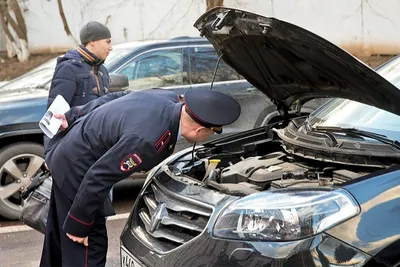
x=22, y=246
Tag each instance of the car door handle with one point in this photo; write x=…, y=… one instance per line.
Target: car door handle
x=251, y=89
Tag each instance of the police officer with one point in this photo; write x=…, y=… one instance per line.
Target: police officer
x=132, y=133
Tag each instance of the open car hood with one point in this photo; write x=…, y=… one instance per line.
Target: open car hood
x=289, y=63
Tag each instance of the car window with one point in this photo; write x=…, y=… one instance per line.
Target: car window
x=115, y=56
x=161, y=68
x=202, y=63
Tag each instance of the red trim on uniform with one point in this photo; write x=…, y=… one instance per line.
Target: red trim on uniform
x=79, y=111
x=194, y=115
x=162, y=138
x=79, y=221
x=162, y=142
x=87, y=256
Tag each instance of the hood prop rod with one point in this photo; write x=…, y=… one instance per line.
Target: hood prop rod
x=215, y=70
x=212, y=82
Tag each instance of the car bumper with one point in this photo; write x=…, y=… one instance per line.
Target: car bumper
x=322, y=250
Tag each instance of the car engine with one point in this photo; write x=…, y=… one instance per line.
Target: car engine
x=242, y=168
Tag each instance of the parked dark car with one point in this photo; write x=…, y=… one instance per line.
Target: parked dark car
x=317, y=190
x=178, y=64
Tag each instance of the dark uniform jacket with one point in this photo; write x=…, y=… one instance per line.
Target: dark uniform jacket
x=132, y=133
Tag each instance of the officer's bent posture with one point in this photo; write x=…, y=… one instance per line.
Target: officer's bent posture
x=133, y=132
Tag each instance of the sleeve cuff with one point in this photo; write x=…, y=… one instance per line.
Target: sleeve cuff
x=76, y=227
x=72, y=115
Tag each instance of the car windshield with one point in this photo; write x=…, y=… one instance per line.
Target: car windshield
x=39, y=77
x=350, y=114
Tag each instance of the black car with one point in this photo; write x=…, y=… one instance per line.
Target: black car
x=317, y=190
x=178, y=64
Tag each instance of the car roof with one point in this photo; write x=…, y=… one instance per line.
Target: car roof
x=134, y=47
x=175, y=40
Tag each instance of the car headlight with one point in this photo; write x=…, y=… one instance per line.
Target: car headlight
x=285, y=215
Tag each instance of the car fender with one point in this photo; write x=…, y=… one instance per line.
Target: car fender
x=375, y=229
x=20, y=132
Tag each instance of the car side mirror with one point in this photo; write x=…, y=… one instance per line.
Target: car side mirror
x=118, y=82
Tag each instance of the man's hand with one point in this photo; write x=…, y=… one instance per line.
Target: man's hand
x=64, y=122
x=77, y=239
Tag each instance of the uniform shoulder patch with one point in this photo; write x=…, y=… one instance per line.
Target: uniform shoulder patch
x=130, y=162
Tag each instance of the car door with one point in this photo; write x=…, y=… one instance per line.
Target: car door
x=202, y=62
x=158, y=68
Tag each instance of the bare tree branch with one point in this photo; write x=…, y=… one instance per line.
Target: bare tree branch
x=3, y=20
x=13, y=23
x=214, y=3
x=19, y=17
x=64, y=20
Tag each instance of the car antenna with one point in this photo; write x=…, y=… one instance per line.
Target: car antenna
x=215, y=70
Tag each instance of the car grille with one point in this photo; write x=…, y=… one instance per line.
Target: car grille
x=167, y=220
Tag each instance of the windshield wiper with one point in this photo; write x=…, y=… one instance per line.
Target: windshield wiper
x=331, y=137
x=356, y=132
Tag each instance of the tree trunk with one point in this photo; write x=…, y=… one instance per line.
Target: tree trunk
x=13, y=24
x=64, y=20
x=24, y=49
x=9, y=48
x=214, y=3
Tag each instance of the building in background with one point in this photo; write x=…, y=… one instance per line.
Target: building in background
x=361, y=27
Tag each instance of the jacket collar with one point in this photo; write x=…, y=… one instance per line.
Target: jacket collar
x=88, y=56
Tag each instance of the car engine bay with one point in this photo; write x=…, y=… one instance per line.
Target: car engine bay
x=255, y=161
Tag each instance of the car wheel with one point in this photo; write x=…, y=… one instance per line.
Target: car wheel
x=19, y=163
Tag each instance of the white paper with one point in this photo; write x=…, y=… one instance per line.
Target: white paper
x=50, y=125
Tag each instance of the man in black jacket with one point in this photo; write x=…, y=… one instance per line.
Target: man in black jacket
x=107, y=141
x=80, y=75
